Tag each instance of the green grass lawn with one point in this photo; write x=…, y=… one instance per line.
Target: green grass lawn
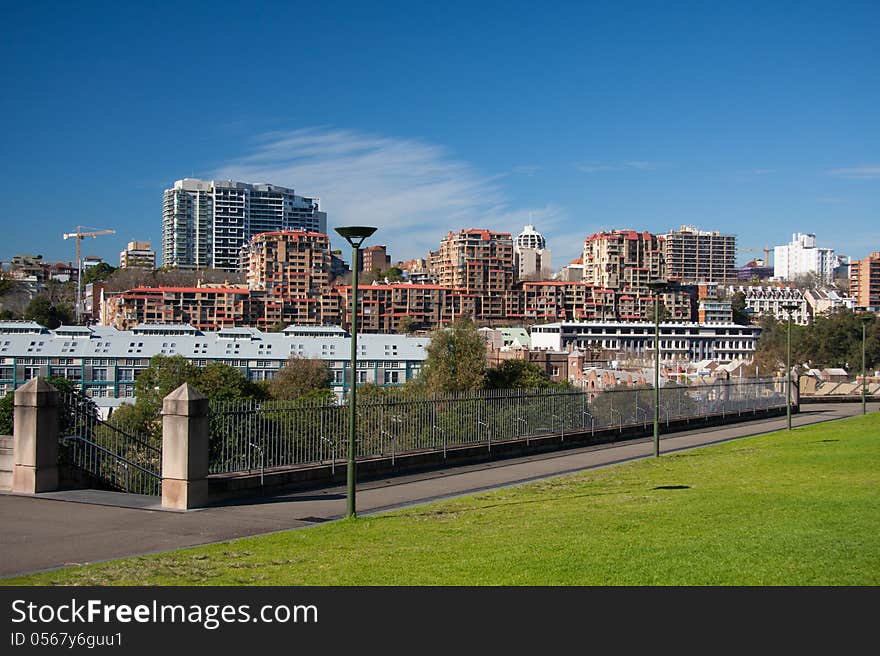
x=800, y=508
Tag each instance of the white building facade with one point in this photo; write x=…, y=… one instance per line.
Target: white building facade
x=802, y=256
x=105, y=362
x=206, y=224
x=761, y=300
x=679, y=342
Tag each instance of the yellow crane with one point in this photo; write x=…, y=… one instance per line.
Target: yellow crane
x=79, y=235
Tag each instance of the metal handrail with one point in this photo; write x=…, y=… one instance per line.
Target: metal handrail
x=118, y=457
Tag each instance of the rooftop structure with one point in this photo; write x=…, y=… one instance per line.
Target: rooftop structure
x=531, y=255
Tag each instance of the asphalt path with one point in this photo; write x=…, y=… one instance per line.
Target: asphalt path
x=62, y=529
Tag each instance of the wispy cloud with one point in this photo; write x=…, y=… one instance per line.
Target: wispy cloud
x=634, y=165
x=871, y=172
x=412, y=190
x=526, y=169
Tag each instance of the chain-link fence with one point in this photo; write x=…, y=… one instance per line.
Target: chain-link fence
x=248, y=435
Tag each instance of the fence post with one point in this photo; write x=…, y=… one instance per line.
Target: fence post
x=35, y=438
x=184, y=449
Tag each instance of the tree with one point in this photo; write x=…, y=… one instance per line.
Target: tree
x=301, y=378
x=222, y=382
x=393, y=274
x=405, y=327
x=456, y=359
x=808, y=280
x=98, y=273
x=41, y=310
x=164, y=375
x=664, y=312
x=516, y=374
x=740, y=313
x=7, y=404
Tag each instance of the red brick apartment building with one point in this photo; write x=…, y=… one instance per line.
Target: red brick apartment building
x=287, y=271
x=205, y=308
x=382, y=307
x=479, y=262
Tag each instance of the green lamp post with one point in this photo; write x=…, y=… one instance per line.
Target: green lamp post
x=865, y=320
x=354, y=235
x=657, y=286
x=789, y=308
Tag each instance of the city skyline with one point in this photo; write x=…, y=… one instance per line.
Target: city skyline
x=757, y=122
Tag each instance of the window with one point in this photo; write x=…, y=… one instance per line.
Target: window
x=391, y=376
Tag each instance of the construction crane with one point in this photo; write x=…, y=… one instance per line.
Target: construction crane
x=81, y=232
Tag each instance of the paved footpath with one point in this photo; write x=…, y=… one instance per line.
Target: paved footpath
x=46, y=532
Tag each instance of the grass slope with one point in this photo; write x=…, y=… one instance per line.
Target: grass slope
x=779, y=509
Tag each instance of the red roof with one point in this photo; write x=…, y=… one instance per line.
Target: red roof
x=289, y=233
x=199, y=290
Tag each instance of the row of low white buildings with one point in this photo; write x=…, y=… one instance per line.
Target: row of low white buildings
x=690, y=342
x=770, y=299
x=106, y=362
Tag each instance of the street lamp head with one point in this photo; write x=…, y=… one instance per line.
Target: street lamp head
x=790, y=307
x=658, y=285
x=355, y=235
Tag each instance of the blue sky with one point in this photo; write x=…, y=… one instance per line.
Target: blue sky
x=758, y=119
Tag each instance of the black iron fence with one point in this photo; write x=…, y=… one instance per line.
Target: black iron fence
x=108, y=451
x=249, y=435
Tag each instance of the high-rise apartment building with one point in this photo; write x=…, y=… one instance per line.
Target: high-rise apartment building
x=864, y=281
x=138, y=254
x=206, y=224
x=693, y=255
x=802, y=256
x=531, y=255
x=623, y=260
x=291, y=268
x=478, y=262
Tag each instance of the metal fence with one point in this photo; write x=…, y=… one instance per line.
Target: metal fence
x=252, y=436
x=110, y=452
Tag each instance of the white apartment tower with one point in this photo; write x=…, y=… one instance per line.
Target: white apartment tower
x=802, y=256
x=531, y=255
x=206, y=223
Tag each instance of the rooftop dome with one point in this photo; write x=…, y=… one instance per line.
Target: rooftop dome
x=530, y=238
